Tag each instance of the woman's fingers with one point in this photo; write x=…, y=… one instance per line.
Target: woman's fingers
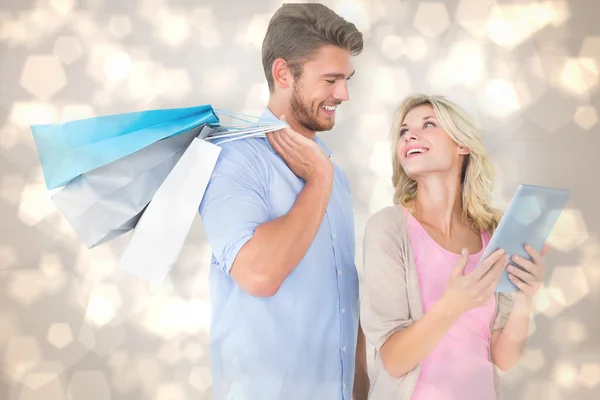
x=525, y=276
x=486, y=265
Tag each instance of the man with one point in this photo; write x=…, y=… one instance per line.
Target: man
x=278, y=216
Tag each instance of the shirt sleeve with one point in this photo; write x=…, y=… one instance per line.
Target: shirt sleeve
x=384, y=304
x=234, y=203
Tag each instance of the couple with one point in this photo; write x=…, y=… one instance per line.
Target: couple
x=284, y=287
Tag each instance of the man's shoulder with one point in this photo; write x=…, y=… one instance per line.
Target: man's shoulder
x=252, y=150
x=245, y=159
x=247, y=145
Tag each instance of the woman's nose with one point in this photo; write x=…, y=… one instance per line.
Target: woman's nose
x=410, y=136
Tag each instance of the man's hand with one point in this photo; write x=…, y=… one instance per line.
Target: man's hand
x=305, y=157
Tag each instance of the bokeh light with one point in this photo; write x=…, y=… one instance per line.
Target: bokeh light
x=75, y=326
x=82, y=381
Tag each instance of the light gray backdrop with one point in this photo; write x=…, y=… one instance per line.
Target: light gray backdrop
x=73, y=326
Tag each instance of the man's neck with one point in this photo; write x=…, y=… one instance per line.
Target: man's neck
x=279, y=108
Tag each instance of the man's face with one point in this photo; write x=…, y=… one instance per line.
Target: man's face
x=321, y=88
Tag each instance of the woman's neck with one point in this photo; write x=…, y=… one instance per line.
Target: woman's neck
x=439, y=204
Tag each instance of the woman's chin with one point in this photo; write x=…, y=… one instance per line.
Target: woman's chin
x=415, y=173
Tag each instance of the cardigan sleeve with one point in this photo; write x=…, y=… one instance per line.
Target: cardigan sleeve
x=505, y=301
x=384, y=297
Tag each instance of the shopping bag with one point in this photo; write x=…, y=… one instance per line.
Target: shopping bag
x=144, y=171
x=70, y=149
x=102, y=204
x=161, y=231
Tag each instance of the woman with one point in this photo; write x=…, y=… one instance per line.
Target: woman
x=438, y=328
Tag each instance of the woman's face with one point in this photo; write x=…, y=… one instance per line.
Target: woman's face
x=425, y=147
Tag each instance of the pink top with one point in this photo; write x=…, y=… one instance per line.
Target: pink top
x=459, y=366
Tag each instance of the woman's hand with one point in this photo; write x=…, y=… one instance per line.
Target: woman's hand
x=529, y=279
x=475, y=289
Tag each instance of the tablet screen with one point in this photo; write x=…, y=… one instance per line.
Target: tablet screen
x=529, y=219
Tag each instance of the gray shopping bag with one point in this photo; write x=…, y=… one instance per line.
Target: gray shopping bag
x=107, y=202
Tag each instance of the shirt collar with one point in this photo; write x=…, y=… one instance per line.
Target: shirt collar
x=269, y=116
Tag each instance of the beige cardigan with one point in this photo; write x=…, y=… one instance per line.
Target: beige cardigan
x=391, y=300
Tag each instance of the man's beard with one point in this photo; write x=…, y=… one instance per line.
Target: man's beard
x=303, y=113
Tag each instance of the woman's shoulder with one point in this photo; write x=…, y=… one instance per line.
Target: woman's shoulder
x=388, y=216
x=389, y=221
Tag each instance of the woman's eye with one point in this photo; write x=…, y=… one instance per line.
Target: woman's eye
x=428, y=123
x=402, y=132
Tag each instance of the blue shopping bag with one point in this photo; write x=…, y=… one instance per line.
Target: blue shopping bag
x=70, y=149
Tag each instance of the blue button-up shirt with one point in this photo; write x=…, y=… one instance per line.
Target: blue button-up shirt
x=300, y=343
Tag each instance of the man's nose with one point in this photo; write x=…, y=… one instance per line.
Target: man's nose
x=341, y=91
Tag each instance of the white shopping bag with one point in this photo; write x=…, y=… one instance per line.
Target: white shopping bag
x=162, y=229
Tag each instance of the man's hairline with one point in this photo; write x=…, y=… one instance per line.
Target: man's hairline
x=311, y=56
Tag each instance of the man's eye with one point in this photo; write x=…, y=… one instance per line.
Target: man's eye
x=330, y=81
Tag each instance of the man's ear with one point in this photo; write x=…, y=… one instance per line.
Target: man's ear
x=282, y=76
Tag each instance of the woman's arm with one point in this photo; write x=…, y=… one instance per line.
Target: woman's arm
x=407, y=348
x=386, y=319
x=508, y=343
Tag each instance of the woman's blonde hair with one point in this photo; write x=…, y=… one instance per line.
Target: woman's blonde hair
x=477, y=171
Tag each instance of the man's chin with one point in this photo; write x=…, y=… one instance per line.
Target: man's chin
x=326, y=125
x=321, y=126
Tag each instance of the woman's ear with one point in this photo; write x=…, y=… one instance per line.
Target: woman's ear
x=462, y=150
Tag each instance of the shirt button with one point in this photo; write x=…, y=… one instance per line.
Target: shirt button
x=339, y=272
x=334, y=236
x=344, y=348
x=344, y=386
x=343, y=311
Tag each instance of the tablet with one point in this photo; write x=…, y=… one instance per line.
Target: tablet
x=529, y=219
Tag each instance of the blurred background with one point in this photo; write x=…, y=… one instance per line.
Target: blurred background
x=73, y=326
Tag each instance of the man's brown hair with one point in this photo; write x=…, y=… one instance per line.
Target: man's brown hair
x=297, y=31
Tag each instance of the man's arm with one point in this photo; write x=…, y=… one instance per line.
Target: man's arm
x=361, y=373
x=277, y=246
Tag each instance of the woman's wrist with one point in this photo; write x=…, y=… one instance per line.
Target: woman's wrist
x=446, y=308
x=522, y=303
